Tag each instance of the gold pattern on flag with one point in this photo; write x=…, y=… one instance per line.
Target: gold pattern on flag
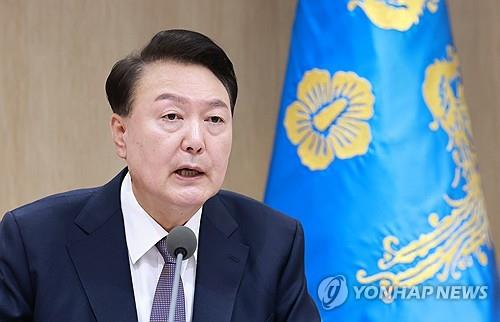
x=329, y=118
x=457, y=239
x=394, y=14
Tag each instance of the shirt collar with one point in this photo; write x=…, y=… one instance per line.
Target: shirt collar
x=142, y=232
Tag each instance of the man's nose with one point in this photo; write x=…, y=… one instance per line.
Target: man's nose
x=193, y=141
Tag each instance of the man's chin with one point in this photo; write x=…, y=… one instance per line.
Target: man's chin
x=191, y=199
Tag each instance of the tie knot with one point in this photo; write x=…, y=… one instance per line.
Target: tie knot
x=162, y=248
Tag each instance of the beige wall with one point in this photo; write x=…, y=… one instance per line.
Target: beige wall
x=56, y=54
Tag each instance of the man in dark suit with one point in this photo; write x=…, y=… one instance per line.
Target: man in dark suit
x=90, y=255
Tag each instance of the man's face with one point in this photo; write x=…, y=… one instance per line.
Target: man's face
x=177, y=138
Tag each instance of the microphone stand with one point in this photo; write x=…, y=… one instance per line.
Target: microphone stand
x=181, y=244
x=175, y=287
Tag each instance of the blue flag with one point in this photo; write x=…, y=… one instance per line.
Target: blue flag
x=374, y=155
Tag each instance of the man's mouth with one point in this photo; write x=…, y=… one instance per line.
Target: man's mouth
x=186, y=172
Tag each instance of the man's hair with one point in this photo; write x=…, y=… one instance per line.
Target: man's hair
x=182, y=46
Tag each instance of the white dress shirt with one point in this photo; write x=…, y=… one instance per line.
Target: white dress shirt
x=146, y=263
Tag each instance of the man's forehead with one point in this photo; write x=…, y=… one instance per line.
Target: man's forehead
x=182, y=100
x=176, y=77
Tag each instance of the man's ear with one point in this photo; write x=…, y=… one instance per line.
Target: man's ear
x=118, y=126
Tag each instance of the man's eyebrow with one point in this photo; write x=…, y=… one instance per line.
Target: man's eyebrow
x=172, y=97
x=215, y=103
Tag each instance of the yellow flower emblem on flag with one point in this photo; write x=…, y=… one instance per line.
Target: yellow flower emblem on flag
x=329, y=117
x=394, y=14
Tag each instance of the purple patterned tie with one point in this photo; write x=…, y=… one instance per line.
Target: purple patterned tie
x=161, y=301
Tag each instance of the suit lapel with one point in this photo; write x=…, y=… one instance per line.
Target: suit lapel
x=221, y=262
x=99, y=252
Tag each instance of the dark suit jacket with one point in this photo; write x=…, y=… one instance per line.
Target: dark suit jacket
x=64, y=259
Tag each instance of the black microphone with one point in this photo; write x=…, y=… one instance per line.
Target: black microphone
x=181, y=244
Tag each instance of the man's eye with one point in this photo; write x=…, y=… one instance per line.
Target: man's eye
x=215, y=119
x=170, y=116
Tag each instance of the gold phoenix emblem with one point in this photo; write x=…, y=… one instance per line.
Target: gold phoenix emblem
x=329, y=117
x=457, y=239
x=394, y=14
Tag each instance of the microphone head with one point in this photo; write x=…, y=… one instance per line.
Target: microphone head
x=181, y=240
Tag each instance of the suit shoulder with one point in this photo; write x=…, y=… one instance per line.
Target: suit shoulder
x=253, y=212
x=69, y=202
